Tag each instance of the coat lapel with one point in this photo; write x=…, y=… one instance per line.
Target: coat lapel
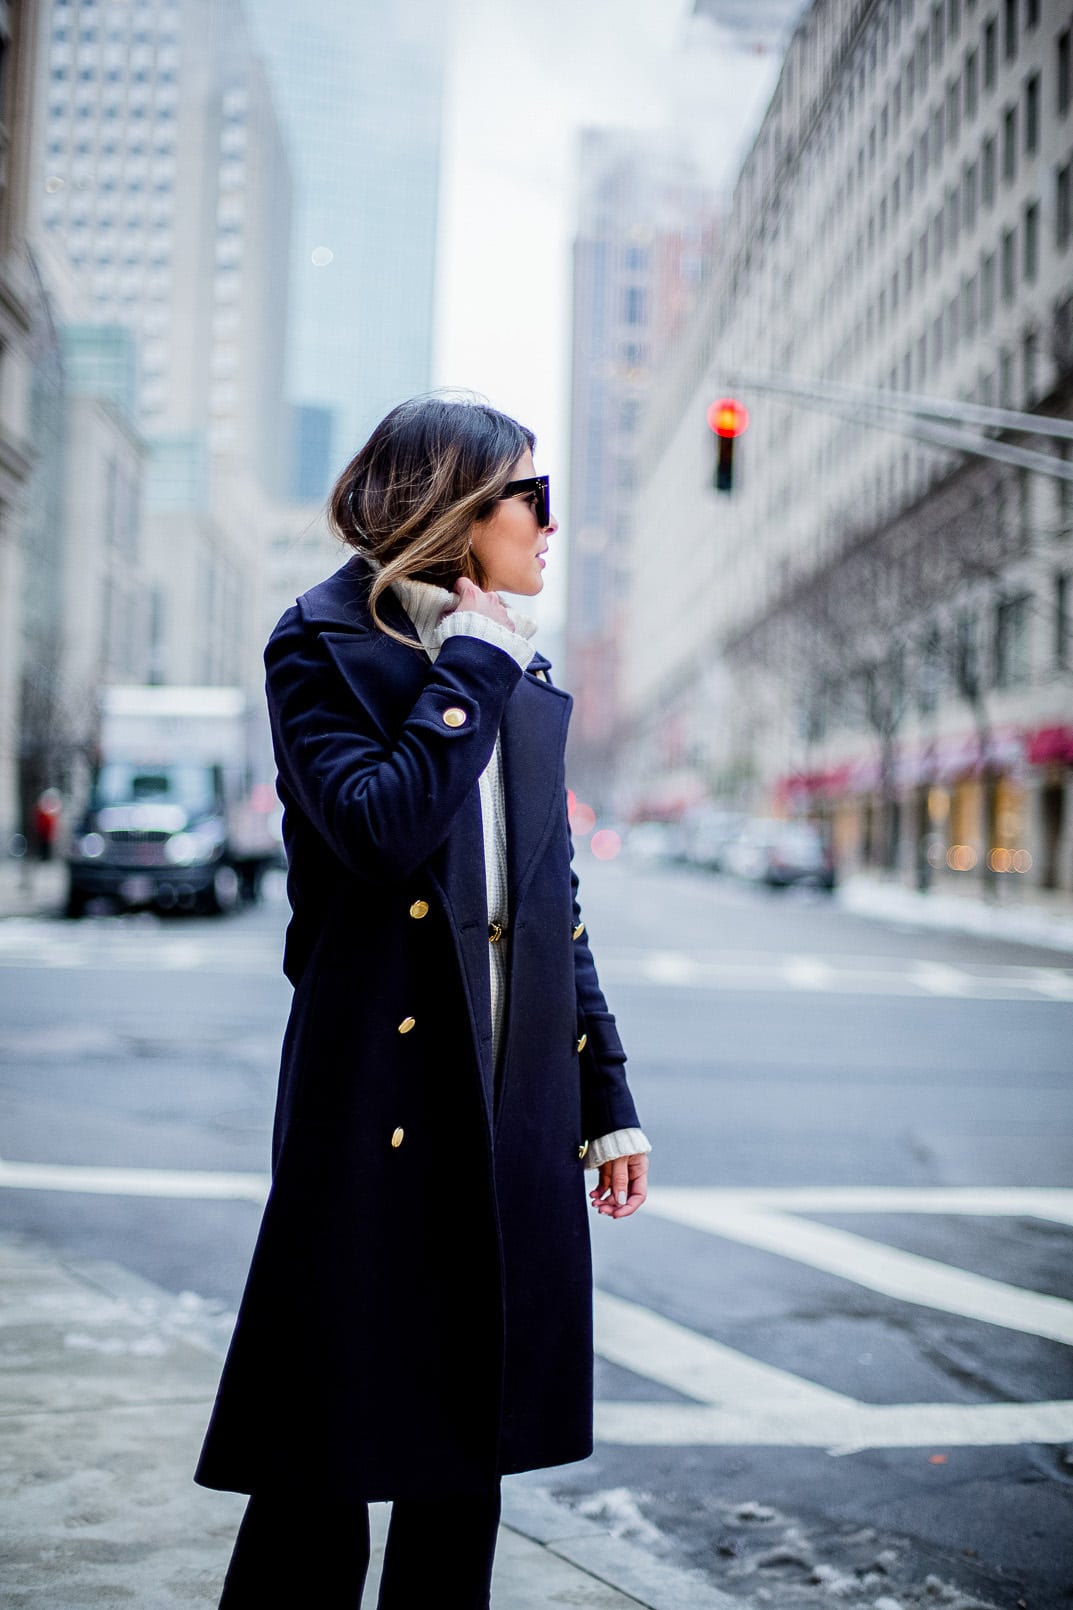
x=533, y=736
x=386, y=678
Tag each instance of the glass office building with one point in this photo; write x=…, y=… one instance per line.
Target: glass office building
x=359, y=87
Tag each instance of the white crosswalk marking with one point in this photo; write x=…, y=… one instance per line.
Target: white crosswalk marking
x=938, y=980
x=650, y=1345
x=32, y=942
x=904, y=1275
x=738, y=1399
x=845, y=1430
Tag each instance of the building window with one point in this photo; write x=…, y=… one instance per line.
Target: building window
x=953, y=105
x=968, y=197
x=1065, y=71
x=1062, y=634
x=1063, y=212
x=1009, y=264
x=1009, y=144
x=972, y=62
x=988, y=173
x=1030, y=367
x=1011, y=641
x=969, y=295
x=953, y=18
x=1005, y=379
x=1031, y=242
x=1009, y=32
x=990, y=54
x=937, y=33
x=1032, y=114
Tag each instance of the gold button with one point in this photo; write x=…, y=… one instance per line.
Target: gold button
x=583, y=1149
x=583, y=1042
x=495, y=933
x=419, y=908
x=454, y=717
x=579, y=930
x=396, y=1138
x=407, y=1024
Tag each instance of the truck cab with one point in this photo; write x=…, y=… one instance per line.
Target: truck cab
x=174, y=817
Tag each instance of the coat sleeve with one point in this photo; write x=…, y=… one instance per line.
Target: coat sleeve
x=383, y=806
x=606, y=1102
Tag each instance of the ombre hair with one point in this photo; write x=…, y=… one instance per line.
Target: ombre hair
x=408, y=499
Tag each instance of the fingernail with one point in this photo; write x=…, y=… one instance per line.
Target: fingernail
x=622, y=1199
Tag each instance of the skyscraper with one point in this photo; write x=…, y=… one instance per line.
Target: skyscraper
x=166, y=182
x=641, y=250
x=359, y=88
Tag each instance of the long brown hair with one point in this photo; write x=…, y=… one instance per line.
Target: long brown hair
x=408, y=499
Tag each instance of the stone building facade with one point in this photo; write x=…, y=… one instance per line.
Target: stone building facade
x=872, y=629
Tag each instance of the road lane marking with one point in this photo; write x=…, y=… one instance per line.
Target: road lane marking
x=52, y=946
x=939, y=980
x=807, y=973
x=906, y=1276
x=170, y=1182
x=742, y=1400
x=645, y=1342
x=1053, y=1202
x=1053, y=981
x=852, y=1429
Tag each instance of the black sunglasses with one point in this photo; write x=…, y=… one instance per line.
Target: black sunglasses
x=539, y=485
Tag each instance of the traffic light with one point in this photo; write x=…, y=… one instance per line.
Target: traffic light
x=727, y=419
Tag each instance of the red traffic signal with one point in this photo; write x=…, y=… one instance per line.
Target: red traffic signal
x=727, y=417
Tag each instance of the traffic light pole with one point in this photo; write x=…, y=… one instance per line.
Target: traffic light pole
x=930, y=420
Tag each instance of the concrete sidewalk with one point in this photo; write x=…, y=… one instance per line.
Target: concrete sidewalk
x=105, y=1388
x=1022, y=916
x=31, y=888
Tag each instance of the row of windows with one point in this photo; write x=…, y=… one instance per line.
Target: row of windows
x=926, y=151
x=970, y=310
x=942, y=125
x=112, y=111
x=957, y=213
x=928, y=51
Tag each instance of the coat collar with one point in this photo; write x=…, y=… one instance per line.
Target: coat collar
x=341, y=603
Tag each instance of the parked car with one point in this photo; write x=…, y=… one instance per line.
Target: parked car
x=649, y=842
x=782, y=853
x=704, y=834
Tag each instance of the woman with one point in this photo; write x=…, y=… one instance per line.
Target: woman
x=417, y=1319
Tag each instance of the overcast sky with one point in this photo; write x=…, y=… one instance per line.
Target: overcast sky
x=524, y=78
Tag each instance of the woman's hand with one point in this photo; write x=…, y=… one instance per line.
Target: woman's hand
x=470, y=597
x=621, y=1186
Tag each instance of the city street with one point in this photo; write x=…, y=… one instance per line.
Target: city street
x=834, y=1350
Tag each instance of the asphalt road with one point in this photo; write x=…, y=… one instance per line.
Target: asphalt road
x=835, y=1351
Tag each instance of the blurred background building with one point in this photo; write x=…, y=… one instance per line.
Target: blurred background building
x=219, y=240
x=643, y=246
x=359, y=86
x=18, y=295
x=870, y=629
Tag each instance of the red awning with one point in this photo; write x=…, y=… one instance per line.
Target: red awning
x=1050, y=746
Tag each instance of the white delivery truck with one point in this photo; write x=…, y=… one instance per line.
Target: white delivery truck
x=181, y=811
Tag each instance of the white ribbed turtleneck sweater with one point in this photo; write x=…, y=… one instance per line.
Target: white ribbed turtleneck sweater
x=435, y=617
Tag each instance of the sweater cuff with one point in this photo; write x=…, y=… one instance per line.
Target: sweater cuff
x=467, y=623
x=620, y=1143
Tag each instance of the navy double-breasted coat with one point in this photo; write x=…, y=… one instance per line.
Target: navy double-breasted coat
x=417, y=1318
